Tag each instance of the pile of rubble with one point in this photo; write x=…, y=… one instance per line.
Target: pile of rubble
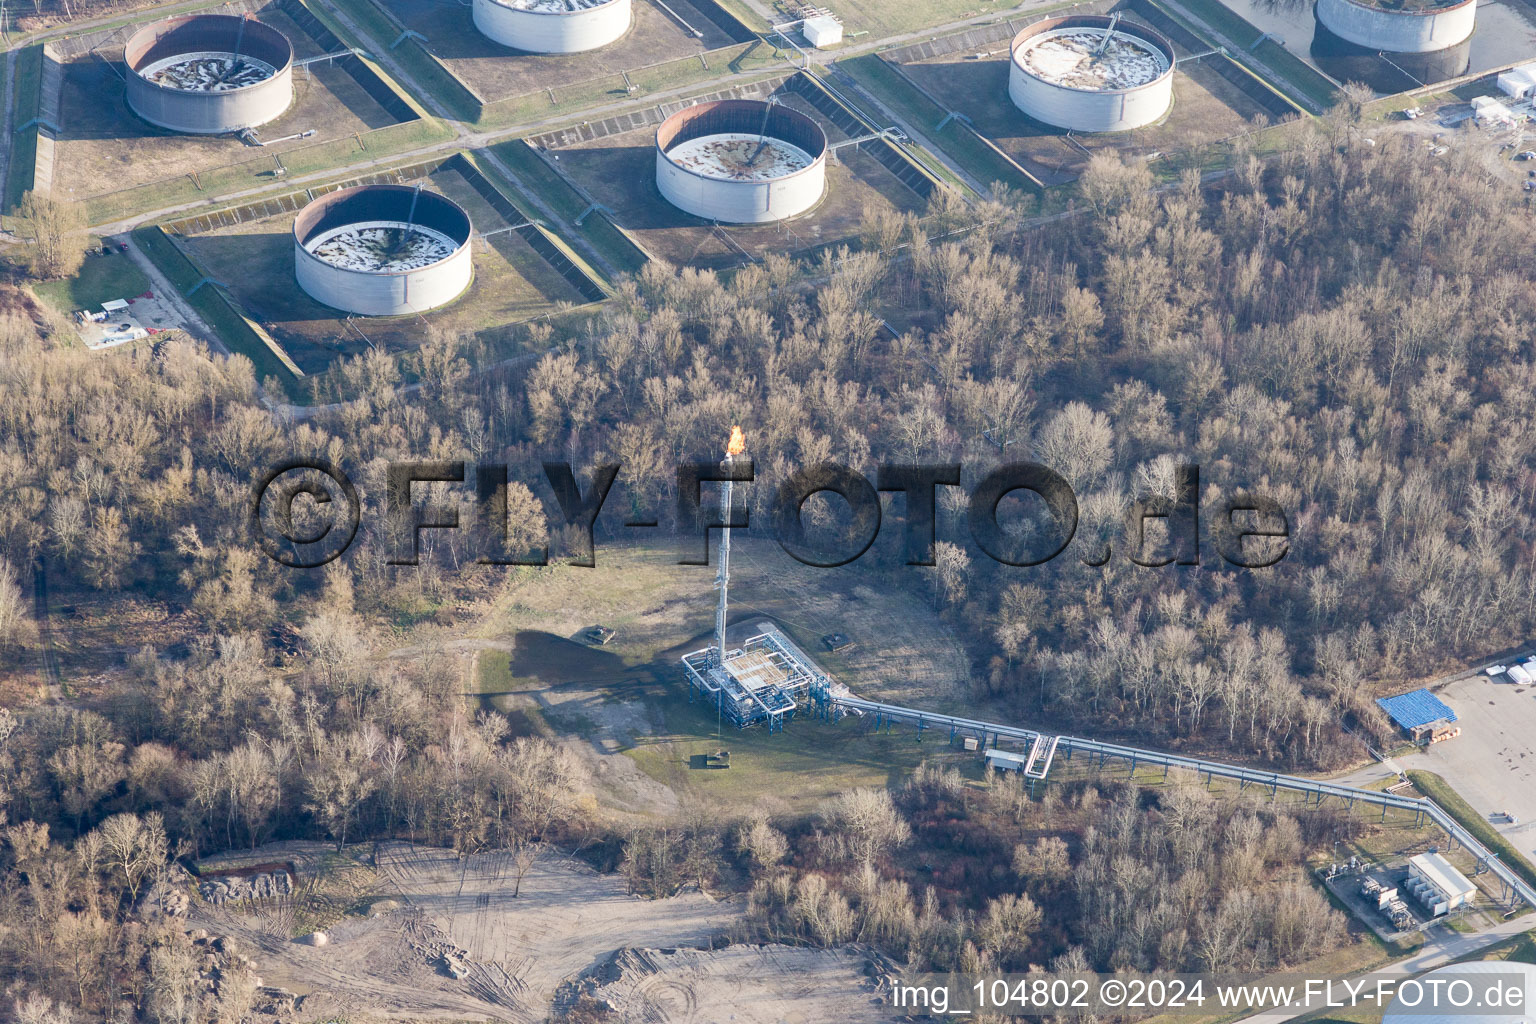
x=250, y=887
x=435, y=949
x=220, y=961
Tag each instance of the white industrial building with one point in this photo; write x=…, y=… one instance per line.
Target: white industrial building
x=1519, y=83
x=1488, y=110
x=741, y=161
x=552, y=26
x=1091, y=73
x=1437, y=885
x=383, y=250
x=1439, y=997
x=1398, y=30
x=207, y=74
x=822, y=31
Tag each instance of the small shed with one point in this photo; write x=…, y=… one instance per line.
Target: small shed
x=1006, y=761
x=822, y=31
x=114, y=305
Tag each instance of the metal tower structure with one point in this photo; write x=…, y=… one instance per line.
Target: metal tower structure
x=736, y=446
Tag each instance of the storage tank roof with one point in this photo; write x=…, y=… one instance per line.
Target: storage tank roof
x=552, y=6
x=737, y=156
x=1078, y=57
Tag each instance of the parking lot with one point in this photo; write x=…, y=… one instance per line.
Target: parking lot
x=1492, y=764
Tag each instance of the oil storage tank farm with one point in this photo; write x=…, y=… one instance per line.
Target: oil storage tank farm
x=741, y=161
x=1091, y=73
x=1399, y=26
x=207, y=74
x=552, y=26
x=383, y=250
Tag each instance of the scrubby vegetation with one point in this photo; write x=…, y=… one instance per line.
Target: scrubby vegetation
x=1345, y=328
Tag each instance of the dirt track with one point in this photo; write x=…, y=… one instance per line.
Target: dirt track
x=514, y=953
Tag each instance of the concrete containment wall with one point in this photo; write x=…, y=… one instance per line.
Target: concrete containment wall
x=734, y=201
x=209, y=113
x=1090, y=110
x=552, y=31
x=383, y=293
x=1398, y=31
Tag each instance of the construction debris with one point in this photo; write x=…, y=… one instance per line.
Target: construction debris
x=251, y=887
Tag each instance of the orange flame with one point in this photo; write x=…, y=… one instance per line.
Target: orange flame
x=737, y=444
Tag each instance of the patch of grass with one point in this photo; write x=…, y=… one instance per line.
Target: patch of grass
x=1521, y=949
x=880, y=18
x=532, y=172
x=805, y=763
x=1440, y=791
x=101, y=279
x=534, y=107
x=523, y=718
x=891, y=88
x=493, y=675
x=258, y=171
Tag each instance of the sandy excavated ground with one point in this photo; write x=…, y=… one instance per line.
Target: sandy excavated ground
x=769, y=984
x=515, y=952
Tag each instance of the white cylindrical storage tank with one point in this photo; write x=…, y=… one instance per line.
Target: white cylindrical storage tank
x=741, y=161
x=207, y=74
x=383, y=250
x=552, y=26
x=1403, y=26
x=1065, y=73
x=1441, y=996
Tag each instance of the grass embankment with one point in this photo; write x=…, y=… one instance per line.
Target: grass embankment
x=906, y=101
x=1440, y=791
x=101, y=279
x=237, y=333
x=26, y=101
x=424, y=69
x=601, y=233
x=1296, y=74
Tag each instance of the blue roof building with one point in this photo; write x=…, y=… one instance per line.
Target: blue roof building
x=1416, y=709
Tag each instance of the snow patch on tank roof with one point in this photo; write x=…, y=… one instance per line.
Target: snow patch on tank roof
x=207, y=71
x=552, y=6
x=736, y=156
x=1079, y=58
x=381, y=246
